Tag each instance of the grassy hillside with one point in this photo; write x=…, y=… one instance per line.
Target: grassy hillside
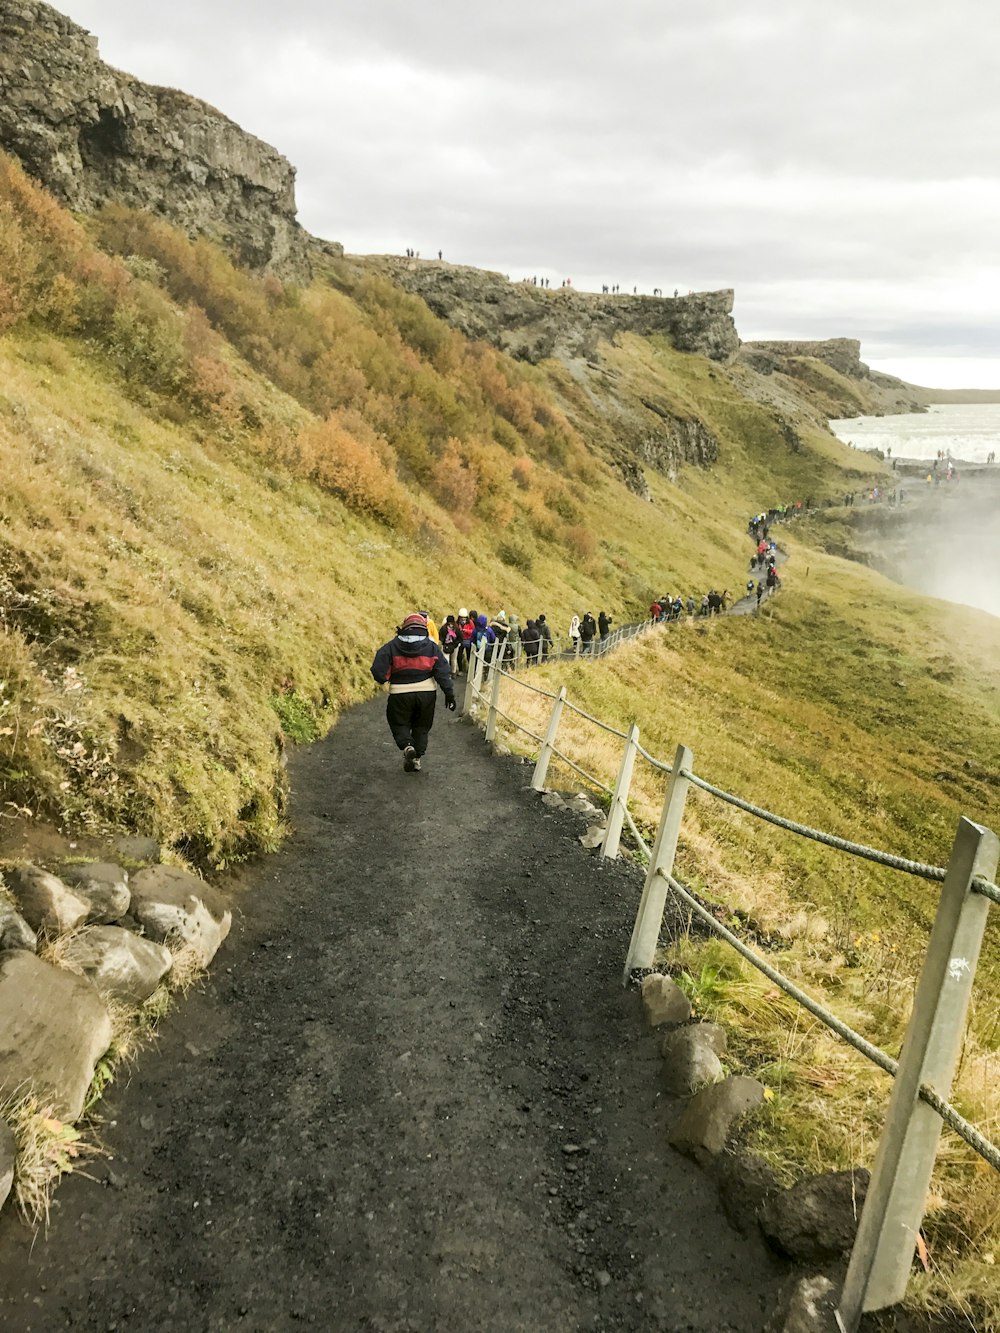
x=861, y=708
x=221, y=493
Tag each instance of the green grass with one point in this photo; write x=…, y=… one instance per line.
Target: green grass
x=220, y=495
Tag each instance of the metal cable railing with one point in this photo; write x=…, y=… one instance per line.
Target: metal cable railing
x=596, y=782
x=817, y=1010
x=949, y=1114
x=652, y=759
x=596, y=721
x=507, y=718
x=817, y=835
x=987, y=889
x=990, y=1152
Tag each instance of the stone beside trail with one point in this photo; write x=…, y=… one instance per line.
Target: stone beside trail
x=410, y=1095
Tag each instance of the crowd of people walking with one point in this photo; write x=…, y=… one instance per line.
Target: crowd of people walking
x=426, y=655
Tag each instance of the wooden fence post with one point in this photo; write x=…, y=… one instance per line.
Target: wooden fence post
x=649, y=918
x=548, y=745
x=619, y=798
x=496, y=676
x=894, y=1206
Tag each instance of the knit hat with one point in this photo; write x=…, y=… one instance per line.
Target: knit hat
x=415, y=622
x=463, y=610
x=501, y=615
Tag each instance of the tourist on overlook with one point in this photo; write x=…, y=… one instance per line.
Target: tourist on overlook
x=466, y=629
x=531, y=639
x=588, y=632
x=544, y=635
x=574, y=633
x=450, y=639
x=483, y=634
x=412, y=665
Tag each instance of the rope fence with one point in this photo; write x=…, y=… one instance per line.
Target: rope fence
x=883, y=1251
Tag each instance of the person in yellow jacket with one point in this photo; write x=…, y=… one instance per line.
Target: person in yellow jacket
x=432, y=629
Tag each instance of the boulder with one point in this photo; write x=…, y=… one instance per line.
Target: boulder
x=121, y=965
x=745, y=1184
x=169, y=903
x=8, y=1160
x=664, y=1001
x=582, y=805
x=691, y=1057
x=15, y=933
x=813, y=1308
x=703, y=1129
x=137, y=848
x=45, y=901
x=104, y=886
x=593, y=837
x=54, y=1027
x=817, y=1218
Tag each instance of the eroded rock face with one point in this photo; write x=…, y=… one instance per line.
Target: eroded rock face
x=703, y=1129
x=91, y=134
x=121, y=965
x=817, y=1218
x=105, y=888
x=843, y=354
x=534, y=323
x=171, y=904
x=15, y=933
x=46, y=903
x=54, y=1027
x=663, y=1001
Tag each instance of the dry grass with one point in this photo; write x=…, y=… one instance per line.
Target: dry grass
x=848, y=932
x=47, y=1149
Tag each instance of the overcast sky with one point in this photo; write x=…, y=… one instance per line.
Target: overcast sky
x=836, y=163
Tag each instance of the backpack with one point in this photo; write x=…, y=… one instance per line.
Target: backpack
x=449, y=636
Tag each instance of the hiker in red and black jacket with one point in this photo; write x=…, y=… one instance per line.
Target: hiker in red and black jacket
x=412, y=664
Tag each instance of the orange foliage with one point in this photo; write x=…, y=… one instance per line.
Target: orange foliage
x=359, y=473
x=580, y=541
x=455, y=483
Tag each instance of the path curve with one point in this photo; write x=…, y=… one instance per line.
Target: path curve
x=411, y=1095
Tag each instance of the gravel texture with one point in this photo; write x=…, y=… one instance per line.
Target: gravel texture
x=411, y=1095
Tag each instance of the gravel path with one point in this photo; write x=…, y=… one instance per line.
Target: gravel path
x=411, y=1095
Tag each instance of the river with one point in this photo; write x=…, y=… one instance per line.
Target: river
x=946, y=543
x=969, y=431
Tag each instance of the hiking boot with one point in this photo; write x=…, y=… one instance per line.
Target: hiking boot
x=410, y=760
x=415, y=766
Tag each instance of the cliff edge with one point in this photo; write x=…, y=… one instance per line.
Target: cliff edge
x=535, y=323
x=92, y=135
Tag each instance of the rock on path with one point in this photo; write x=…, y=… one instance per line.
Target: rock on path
x=361, y=1121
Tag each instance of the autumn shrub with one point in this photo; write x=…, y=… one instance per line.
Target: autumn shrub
x=580, y=541
x=359, y=470
x=455, y=484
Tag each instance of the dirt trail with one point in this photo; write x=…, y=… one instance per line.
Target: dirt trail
x=411, y=1095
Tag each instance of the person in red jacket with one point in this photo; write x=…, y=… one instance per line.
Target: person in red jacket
x=413, y=665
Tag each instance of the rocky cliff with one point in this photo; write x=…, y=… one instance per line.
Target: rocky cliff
x=90, y=134
x=535, y=323
x=843, y=354
x=876, y=393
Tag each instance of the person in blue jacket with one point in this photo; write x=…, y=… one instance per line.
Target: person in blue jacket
x=483, y=633
x=413, y=665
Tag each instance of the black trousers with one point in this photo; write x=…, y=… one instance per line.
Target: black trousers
x=410, y=718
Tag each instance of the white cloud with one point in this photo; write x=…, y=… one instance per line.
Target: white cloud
x=836, y=165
